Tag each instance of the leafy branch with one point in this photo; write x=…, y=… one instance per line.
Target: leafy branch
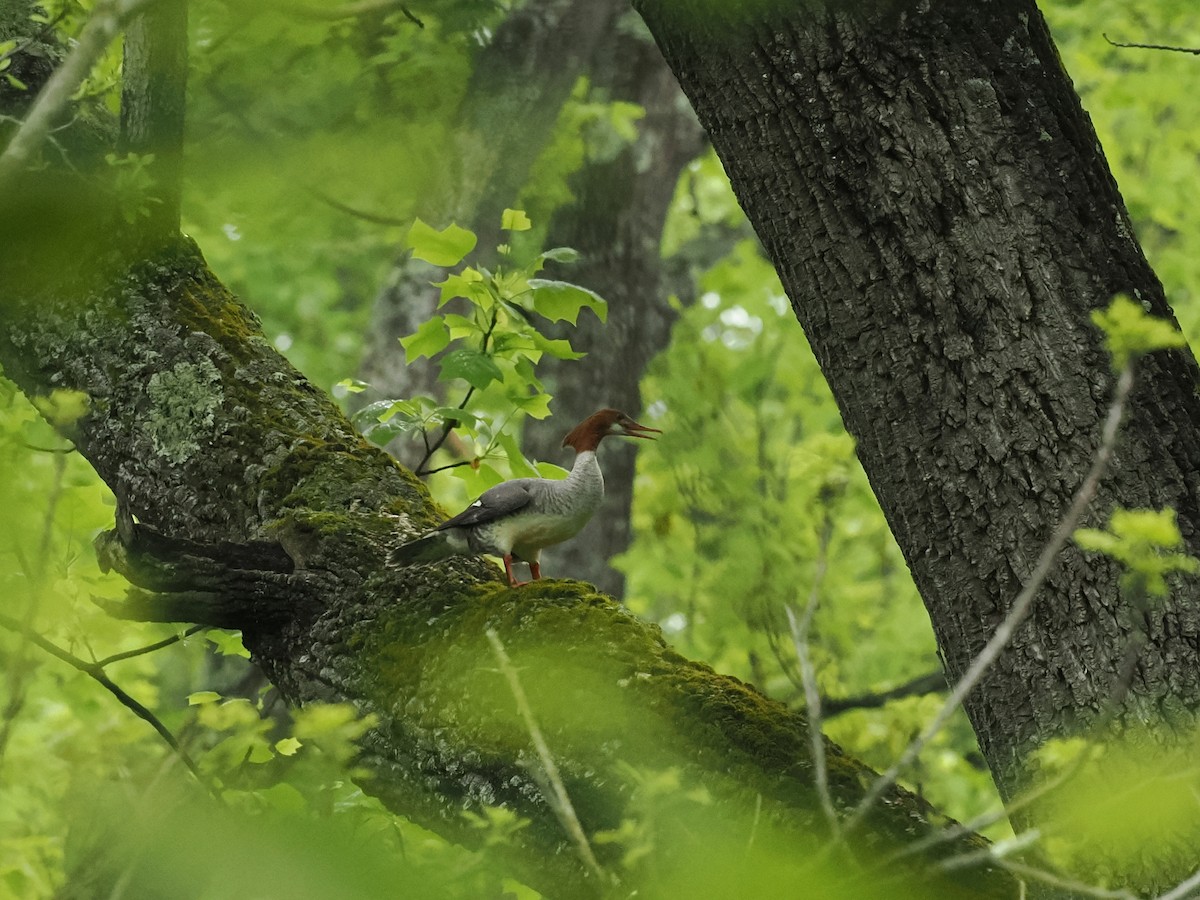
x=95, y=671
x=491, y=351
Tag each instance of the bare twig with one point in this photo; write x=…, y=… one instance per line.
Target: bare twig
x=1195, y=51
x=149, y=648
x=1183, y=889
x=107, y=19
x=560, y=801
x=929, y=683
x=1021, y=605
x=1066, y=884
x=812, y=697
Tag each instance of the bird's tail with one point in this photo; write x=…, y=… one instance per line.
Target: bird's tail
x=429, y=548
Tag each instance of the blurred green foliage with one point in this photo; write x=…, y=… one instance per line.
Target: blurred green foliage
x=313, y=143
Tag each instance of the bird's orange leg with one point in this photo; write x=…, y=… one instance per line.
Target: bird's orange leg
x=512, y=577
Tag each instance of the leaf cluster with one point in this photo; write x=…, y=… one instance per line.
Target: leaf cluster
x=486, y=346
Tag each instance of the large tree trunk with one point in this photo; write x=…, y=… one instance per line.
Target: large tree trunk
x=942, y=216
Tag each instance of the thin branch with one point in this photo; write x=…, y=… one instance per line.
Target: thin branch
x=149, y=648
x=107, y=19
x=97, y=674
x=419, y=469
x=929, y=683
x=373, y=218
x=455, y=465
x=992, y=816
x=1183, y=889
x=1021, y=605
x=1195, y=51
x=1066, y=884
x=561, y=801
x=812, y=697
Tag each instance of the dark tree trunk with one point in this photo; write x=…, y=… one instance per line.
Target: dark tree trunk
x=153, y=101
x=942, y=216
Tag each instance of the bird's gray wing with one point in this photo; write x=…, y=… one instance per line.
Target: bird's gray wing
x=494, y=503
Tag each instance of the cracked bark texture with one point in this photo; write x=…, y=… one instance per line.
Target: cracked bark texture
x=940, y=211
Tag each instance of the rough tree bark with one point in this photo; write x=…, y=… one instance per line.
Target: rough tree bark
x=246, y=500
x=153, y=103
x=942, y=216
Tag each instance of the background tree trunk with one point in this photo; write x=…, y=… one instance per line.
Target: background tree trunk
x=616, y=222
x=941, y=214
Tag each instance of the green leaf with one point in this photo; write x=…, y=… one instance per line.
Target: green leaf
x=351, y=386
x=288, y=746
x=515, y=220
x=551, y=471
x=431, y=338
x=559, y=348
x=1130, y=332
x=473, y=367
x=559, y=300
x=227, y=643
x=521, y=467
x=461, y=326
x=562, y=254
x=537, y=406
x=200, y=697
x=1143, y=541
x=442, y=248
x=457, y=416
x=61, y=407
x=467, y=284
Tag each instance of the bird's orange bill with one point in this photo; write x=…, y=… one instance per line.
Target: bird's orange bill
x=633, y=429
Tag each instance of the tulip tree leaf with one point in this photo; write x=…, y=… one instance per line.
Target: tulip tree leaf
x=515, y=220
x=442, y=248
x=473, y=367
x=432, y=337
x=559, y=300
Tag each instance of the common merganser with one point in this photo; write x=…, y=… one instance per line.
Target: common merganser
x=516, y=519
